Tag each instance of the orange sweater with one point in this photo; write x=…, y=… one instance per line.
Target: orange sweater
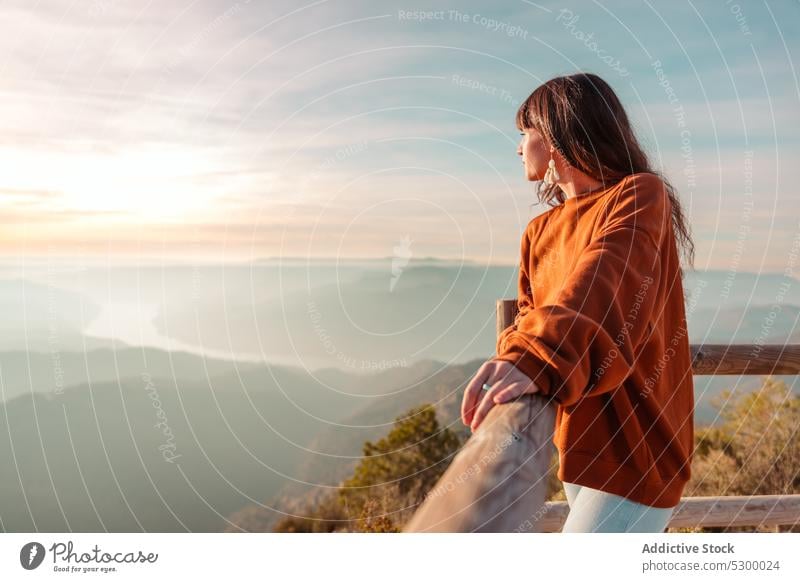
x=602, y=330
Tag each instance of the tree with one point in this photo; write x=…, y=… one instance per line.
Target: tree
x=398, y=470
x=755, y=450
x=389, y=481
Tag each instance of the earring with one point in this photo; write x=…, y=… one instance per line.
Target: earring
x=551, y=176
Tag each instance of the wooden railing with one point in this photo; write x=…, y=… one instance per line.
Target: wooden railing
x=725, y=511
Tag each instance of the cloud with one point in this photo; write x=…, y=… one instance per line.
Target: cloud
x=177, y=121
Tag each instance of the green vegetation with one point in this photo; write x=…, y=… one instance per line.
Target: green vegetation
x=389, y=482
x=753, y=449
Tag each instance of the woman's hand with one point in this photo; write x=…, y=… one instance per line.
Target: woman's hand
x=507, y=382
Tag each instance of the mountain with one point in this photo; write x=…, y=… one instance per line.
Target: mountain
x=161, y=453
x=45, y=317
x=24, y=372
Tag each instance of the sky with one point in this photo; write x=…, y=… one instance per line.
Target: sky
x=237, y=131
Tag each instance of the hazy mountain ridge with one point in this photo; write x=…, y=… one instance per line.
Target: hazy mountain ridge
x=255, y=432
x=239, y=436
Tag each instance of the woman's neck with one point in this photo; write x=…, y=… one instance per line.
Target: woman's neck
x=579, y=186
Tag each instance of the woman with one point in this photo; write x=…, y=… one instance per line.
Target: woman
x=601, y=327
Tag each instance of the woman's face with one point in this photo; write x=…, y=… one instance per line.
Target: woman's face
x=535, y=154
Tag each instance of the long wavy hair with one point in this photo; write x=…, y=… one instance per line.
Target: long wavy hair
x=582, y=118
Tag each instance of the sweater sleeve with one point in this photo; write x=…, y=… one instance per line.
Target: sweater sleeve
x=524, y=298
x=582, y=342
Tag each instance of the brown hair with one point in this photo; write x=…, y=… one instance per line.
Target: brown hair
x=582, y=118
